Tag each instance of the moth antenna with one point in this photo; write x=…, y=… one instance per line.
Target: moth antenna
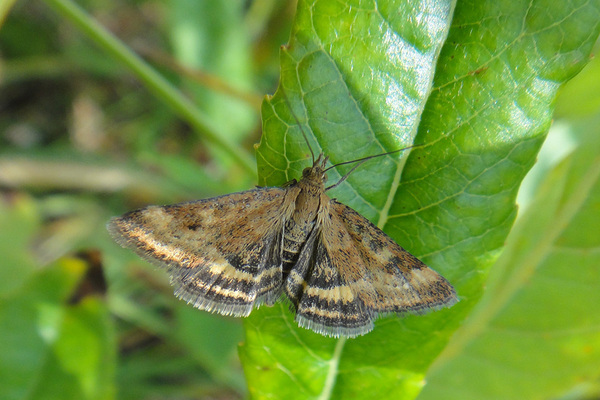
x=361, y=161
x=345, y=176
x=289, y=104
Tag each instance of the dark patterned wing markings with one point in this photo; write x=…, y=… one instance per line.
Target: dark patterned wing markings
x=322, y=300
x=327, y=304
x=223, y=254
x=297, y=278
x=233, y=288
x=393, y=279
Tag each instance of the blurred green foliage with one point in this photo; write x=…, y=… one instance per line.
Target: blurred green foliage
x=84, y=136
x=81, y=141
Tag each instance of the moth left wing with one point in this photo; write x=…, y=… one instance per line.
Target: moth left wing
x=223, y=254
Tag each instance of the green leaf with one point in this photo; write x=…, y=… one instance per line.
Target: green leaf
x=359, y=77
x=81, y=362
x=541, y=305
x=50, y=348
x=21, y=214
x=581, y=97
x=212, y=342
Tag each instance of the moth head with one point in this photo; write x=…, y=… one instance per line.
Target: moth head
x=317, y=171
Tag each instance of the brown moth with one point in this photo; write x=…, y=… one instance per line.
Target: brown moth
x=232, y=253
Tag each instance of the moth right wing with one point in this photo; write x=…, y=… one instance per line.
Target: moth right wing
x=384, y=275
x=223, y=253
x=352, y=271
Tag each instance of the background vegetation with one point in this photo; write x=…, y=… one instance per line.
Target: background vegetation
x=88, y=130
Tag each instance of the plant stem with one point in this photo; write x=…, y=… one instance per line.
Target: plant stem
x=153, y=80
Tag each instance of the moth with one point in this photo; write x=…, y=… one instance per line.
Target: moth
x=232, y=253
